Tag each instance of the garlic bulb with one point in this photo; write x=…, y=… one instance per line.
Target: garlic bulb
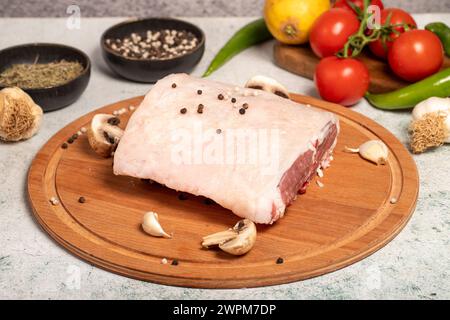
x=373, y=150
x=20, y=117
x=152, y=227
x=430, y=126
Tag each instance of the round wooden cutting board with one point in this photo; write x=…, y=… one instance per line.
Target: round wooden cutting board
x=327, y=228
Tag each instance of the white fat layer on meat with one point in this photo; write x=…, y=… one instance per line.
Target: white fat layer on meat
x=146, y=148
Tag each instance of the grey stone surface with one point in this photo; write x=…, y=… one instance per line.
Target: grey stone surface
x=191, y=8
x=414, y=265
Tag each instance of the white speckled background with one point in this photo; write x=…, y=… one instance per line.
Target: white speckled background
x=191, y=8
x=414, y=265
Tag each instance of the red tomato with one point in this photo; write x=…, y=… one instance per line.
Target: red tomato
x=398, y=16
x=359, y=3
x=343, y=81
x=416, y=54
x=331, y=30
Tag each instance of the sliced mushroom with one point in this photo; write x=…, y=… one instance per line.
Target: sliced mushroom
x=269, y=85
x=104, y=134
x=237, y=241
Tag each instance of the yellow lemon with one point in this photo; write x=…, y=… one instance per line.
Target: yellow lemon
x=290, y=21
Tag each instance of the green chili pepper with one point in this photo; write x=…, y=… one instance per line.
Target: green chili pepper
x=253, y=33
x=437, y=85
x=443, y=32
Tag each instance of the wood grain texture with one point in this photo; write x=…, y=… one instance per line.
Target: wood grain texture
x=302, y=61
x=325, y=229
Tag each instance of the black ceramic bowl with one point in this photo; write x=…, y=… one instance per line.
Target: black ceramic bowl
x=150, y=71
x=57, y=97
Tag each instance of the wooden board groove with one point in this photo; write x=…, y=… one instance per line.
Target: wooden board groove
x=324, y=230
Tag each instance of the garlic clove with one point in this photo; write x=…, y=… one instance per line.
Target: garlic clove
x=267, y=84
x=373, y=150
x=236, y=241
x=152, y=226
x=351, y=150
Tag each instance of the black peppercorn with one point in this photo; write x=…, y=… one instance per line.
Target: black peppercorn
x=174, y=85
x=183, y=110
x=220, y=97
x=233, y=100
x=174, y=262
x=64, y=145
x=242, y=111
x=82, y=200
x=280, y=260
x=199, y=91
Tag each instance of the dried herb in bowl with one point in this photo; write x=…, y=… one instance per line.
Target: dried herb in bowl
x=40, y=75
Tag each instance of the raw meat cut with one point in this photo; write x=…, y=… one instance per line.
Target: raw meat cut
x=248, y=150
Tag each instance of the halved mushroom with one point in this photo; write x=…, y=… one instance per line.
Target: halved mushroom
x=104, y=134
x=237, y=241
x=268, y=84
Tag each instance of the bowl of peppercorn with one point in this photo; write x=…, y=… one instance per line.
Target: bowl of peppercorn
x=54, y=75
x=146, y=50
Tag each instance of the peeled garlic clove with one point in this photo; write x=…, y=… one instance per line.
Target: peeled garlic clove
x=267, y=84
x=152, y=227
x=236, y=241
x=373, y=150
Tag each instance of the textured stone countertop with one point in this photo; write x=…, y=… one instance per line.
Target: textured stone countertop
x=416, y=264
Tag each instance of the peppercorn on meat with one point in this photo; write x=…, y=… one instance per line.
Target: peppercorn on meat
x=248, y=150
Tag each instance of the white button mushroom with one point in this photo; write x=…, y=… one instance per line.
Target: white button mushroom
x=236, y=241
x=267, y=84
x=104, y=134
